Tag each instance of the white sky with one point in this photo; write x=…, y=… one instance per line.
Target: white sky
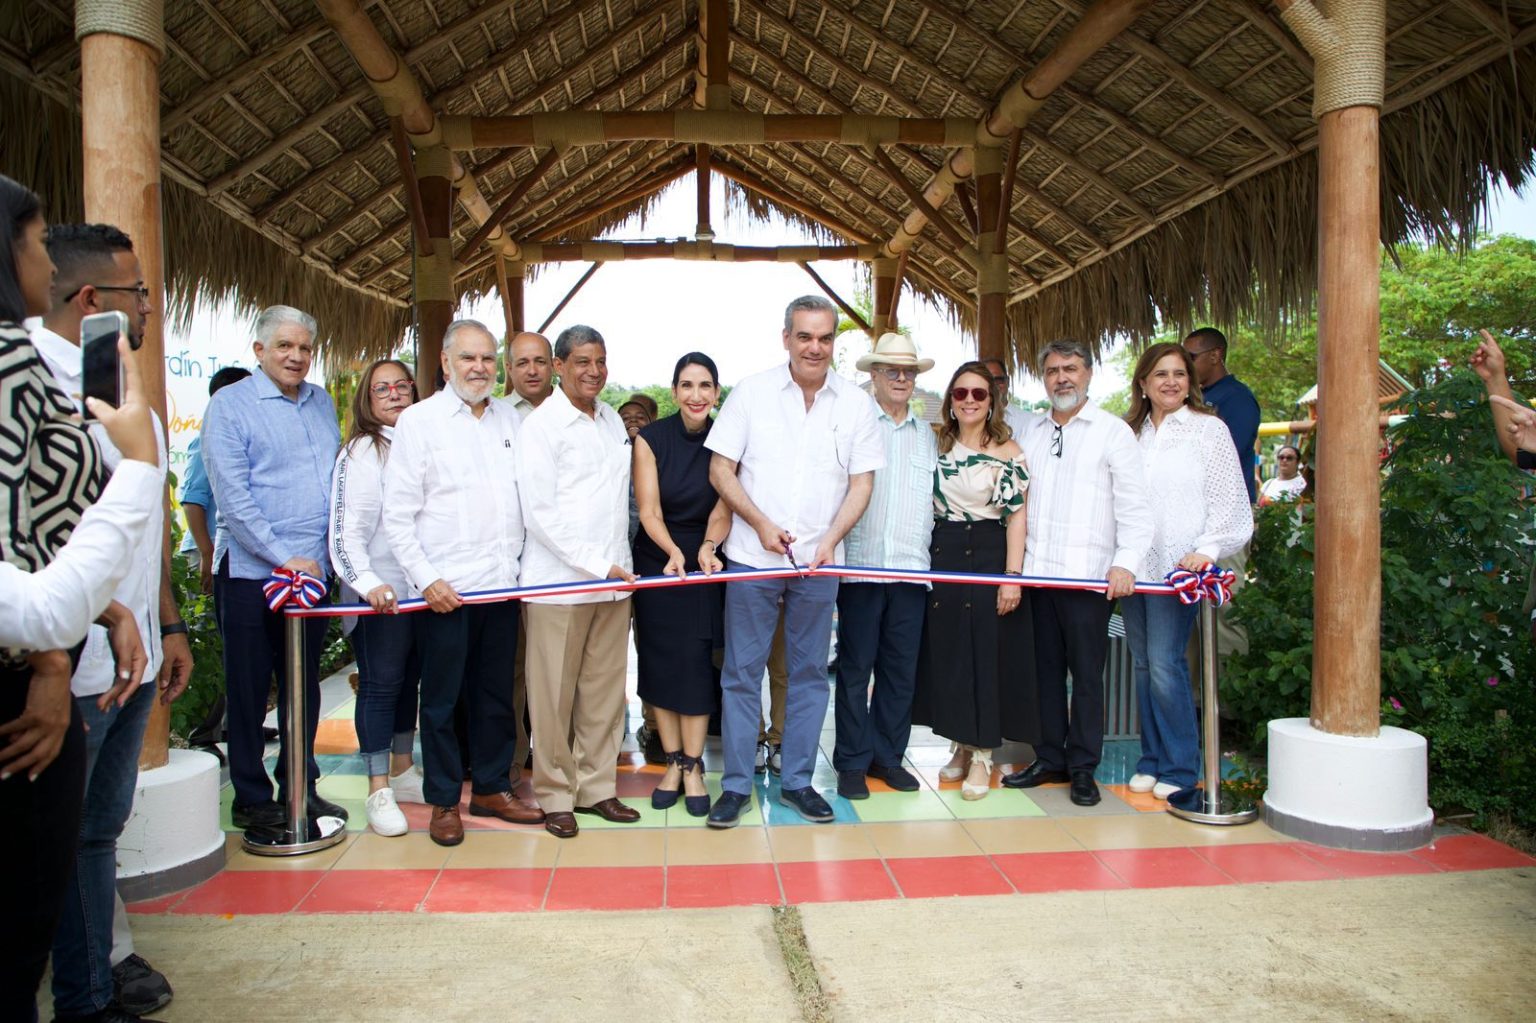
x=652, y=311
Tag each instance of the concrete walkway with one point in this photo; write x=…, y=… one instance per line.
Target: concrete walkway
x=1456, y=946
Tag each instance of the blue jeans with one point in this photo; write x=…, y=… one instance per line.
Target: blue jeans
x=751, y=617
x=82, y=946
x=388, y=676
x=1157, y=628
x=879, y=630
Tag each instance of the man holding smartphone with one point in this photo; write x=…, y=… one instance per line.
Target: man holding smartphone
x=94, y=965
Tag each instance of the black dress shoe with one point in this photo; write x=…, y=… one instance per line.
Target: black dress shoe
x=727, y=811
x=258, y=815
x=319, y=806
x=897, y=777
x=807, y=802
x=1035, y=774
x=851, y=785
x=1085, y=791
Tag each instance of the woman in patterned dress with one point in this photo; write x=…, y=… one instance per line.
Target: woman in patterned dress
x=975, y=683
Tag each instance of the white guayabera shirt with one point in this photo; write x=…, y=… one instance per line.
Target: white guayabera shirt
x=1199, y=501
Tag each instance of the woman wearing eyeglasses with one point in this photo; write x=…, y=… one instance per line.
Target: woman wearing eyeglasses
x=388, y=671
x=975, y=683
x=1288, y=483
x=1200, y=513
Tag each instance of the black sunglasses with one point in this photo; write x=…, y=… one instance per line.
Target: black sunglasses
x=976, y=393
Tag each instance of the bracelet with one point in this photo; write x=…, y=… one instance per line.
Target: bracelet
x=173, y=629
x=1009, y=571
x=711, y=543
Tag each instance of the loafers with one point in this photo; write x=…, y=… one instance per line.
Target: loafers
x=446, y=827
x=612, y=810
x=319, y=806
x=505, y=806
x=897, y=777
x=561, y=824
x=1085, y=791
x=727, y=811
x=1035, y=774
x=807, y=802
x=851, y=785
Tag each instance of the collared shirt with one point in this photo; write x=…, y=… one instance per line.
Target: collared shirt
x=575, y=473
x=139, y=590
x=1239, y=409
x=793, y=462
x=195, y=489
x=895, y=529
x=1019, y=420
x=451, y=508
x=360, y=551
x=523, y=405
x=269, y=458
x=1196, y=490
x=1088, y=507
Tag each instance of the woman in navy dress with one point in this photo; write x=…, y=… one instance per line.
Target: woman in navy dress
x=678, y=629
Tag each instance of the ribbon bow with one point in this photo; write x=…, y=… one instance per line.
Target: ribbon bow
x=1212, y=583
x=285, y=584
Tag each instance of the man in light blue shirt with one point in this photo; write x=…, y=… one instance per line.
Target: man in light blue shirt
x=196, y=496
x=880, y=623
x=269, y=443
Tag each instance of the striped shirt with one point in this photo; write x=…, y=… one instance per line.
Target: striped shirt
x=896, y=526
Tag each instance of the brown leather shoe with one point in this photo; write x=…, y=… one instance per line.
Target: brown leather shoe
x=506, y=806
x=446, y=828
x=561, y=824
x=611, y=809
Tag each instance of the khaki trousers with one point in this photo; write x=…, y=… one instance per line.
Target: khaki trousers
x=772, y=731
x=577, y=656
x=520, y=703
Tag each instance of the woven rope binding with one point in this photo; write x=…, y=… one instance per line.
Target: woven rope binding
x=143, y=20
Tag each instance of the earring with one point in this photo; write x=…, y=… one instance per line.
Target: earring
x=989, y=414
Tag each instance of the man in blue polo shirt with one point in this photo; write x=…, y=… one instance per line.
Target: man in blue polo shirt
x=1234, y=402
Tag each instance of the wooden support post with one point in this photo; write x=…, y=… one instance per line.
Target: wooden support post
x=568, y=296
x=848, y=310
x=703, y=232
x=509, y=285
x=991, y=265
x=435, y=297
x=402, y=146
x=901, y=276
x=120, y=142
x=883, y=271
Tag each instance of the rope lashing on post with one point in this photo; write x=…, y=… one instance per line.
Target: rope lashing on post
x=1217, y=588
x=285, y=588
x=1348, y=47
x=143, y=20
x=1212, y=583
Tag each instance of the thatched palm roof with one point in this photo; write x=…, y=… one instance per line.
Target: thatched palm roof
x=1173, y=176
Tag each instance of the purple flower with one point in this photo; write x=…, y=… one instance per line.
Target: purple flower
x=1493, y=681
x=1396, y=705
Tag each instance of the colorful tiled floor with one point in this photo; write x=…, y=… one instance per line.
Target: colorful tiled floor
x=893, y=845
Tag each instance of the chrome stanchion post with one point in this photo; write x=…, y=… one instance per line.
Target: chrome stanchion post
x=300, y=835
x=1211, y=805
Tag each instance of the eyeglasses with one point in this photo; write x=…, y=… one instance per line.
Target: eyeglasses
x=976, y=393
x=1056, y=441
x=138, y=290
x=1204, y=351
x=384, y=390
x=893, y=373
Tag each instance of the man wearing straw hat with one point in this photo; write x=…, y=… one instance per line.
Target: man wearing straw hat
x=454, y=521
x=795, y=453
x=880, y=622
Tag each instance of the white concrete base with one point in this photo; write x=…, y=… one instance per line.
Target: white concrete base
x=1348, y=792
x=172, y=839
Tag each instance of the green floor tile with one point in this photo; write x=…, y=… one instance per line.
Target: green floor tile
x=999, y=803
x=890, y=807
x=340, y=787
x=649, y=818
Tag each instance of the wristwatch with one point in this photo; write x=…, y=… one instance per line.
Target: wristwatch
x=173, y=629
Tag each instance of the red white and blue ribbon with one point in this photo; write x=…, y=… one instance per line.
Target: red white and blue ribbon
x=286, y=587
x=1212, y=583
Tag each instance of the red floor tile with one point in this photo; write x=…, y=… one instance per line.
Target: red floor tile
x=1265, y=861
x=369, y=891
x=488, y=891
x=938, y=876
x=159, y=905
x=1365, y=864
x=605, y=888
x=248, y=892
x=1161, y=868
x=1471, y=852
x=743, y=884
x=836, y=881
x=1056, y=872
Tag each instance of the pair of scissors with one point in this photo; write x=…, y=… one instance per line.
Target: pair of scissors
x=789, y=552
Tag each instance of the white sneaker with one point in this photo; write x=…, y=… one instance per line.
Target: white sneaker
x=1164, y=789
x=407, y=785
x=1142, y=782
x=384, y=815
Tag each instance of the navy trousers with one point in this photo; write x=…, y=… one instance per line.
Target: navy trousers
x=879, y=630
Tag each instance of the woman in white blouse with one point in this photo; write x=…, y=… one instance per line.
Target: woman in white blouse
x=1288, y=483
x=1201, y=514
x=387, y=667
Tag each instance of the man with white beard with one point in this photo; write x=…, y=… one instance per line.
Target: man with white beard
x=1089, y=518
x=454, y=521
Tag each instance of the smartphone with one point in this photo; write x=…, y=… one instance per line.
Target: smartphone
x=101, y=370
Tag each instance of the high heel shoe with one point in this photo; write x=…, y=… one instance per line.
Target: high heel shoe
x=697, y=806
x=978, y=780
x=661, y=798
x=959, y=764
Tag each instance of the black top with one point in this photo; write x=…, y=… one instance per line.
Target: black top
x=682, y=477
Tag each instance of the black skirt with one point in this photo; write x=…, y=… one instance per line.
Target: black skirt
x=677, y=631
x=976, y=670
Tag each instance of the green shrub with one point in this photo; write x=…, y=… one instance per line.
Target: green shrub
x=207, y=684
x=1457, y=658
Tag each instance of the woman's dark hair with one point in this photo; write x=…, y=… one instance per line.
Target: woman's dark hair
x=1141, y=408
x=696, y=359
x=364, y=422
x=998, y=430
x=19, y=206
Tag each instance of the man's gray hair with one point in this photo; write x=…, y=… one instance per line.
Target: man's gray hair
x=458, y=326
x=275, y=316
x=807, y=304
x=573, y=337
x=1067, y=347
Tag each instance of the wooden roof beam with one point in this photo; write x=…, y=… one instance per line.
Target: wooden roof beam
x=737, y=127
x=848, y=310
x=652, y=184
x=712, y=85
x=964, y=247
x=1277, y=33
